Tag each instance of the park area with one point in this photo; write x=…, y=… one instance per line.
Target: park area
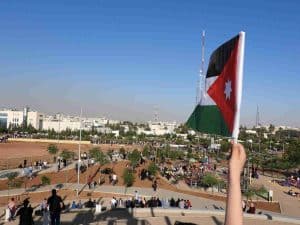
x=120, y=171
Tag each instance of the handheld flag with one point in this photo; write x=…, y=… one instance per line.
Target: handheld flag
x=218, y=111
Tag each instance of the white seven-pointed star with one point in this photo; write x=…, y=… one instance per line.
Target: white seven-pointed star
x=228, y=89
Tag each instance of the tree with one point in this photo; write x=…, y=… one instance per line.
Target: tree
x=45, y=180
x=271, y=128
x=122, y=151
x=134, y=158
x=225, y=145
x=209, y=180
x=249, y=193
x=98, y=155
x=146, y=151
x=292, y=153
x=128, y=177
x=52, y=149
x=258, y=191
x=12, y=182
x=182, y=129
x=152, y=168
x=66, y=154
x=11, y=179
x=30, y=129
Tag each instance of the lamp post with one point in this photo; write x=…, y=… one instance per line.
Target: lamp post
x=79, y=157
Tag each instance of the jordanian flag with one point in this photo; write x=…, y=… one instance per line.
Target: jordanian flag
x=218, y=111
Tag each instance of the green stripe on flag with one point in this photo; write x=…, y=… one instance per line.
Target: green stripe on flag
x=208, y=119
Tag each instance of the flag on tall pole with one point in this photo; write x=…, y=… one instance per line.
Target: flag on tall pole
x=218, y=111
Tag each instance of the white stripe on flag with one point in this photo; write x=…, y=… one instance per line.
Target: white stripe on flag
x=205, y=98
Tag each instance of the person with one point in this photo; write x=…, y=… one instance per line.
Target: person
x=56, y=204
x=12, y=208
x=120, y=202
x=189, y=204
x=181, y=204
x=45, y=211
x=244, y=206
x=79, y=205
x=251, y=208
x=154, y=185
x=89, y=204
x=113, y=203
x=73, y=206
x=234, y=208
x=270, y=195
x=89, y=181
x=25, y=213
x=114, y=179
x=44, y=205
x=172, y=202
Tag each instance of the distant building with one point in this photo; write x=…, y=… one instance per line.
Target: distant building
x=19, y=118
x=60, y=122
x=158, y=128
x=251, y=132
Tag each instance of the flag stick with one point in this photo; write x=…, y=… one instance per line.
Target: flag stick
x=240, y=68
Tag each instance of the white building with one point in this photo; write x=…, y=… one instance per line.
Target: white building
x=18, y=118
x=251, y=132
x=60, y=122
x=159, y=128
x=35, y=119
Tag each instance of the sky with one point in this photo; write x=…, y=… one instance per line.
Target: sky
x=127, y=59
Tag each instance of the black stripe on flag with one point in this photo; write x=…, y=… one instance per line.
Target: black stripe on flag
x=220, y=56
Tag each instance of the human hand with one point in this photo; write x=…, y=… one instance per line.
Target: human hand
x=237, y=160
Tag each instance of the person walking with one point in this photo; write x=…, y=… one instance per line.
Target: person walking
x=25, y=213
x=89, y=181
x=56, y=204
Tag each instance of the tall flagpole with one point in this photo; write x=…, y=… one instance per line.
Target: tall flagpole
x=201, y=74
x=79, y=156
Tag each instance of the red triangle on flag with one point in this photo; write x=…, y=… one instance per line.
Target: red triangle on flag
x=223, y=90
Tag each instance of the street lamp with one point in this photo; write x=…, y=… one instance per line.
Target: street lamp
x=79, y=157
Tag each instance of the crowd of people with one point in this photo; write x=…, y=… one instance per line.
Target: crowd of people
x=192, y=172
x=137, y=201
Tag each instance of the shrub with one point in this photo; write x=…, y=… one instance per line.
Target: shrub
x=209, y=180
x=12, y=180
x=128, y=177
x=146, y=151
x=45, y=180
x=52, y=149
x=66, y=154
x=152, y=168
x=134, y=158
x=98, y=155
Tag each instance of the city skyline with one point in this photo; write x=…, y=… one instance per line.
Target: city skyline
x=125, y=60
x=155, y=118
